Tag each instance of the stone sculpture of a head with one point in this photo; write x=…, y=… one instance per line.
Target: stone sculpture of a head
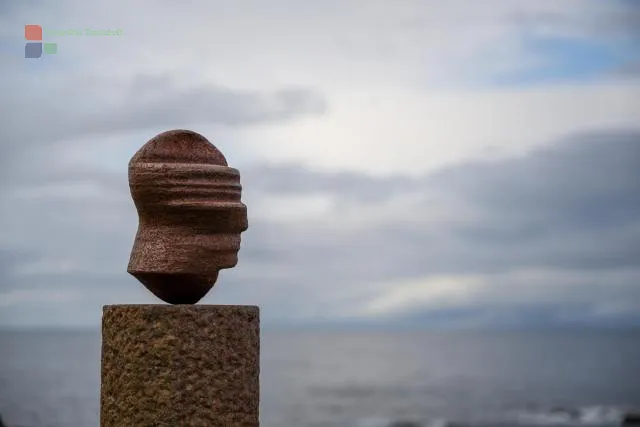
x=190, y=216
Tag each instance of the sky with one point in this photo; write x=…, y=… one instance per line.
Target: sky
x=454, y=164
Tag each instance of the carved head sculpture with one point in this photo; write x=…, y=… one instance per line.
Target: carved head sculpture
x=190, y=216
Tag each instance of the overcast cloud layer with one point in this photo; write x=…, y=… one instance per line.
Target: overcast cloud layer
x=449, y=164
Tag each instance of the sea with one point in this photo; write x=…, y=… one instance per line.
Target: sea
x=365, y=378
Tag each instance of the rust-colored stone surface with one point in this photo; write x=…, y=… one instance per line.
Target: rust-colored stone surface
x=190, y=215
x=184, y=365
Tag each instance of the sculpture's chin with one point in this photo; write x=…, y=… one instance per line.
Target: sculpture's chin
x=177, y=288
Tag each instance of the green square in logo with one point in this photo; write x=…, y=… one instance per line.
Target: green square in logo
x=50, y=48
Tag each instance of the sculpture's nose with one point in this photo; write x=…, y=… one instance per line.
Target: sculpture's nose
x=190, y=216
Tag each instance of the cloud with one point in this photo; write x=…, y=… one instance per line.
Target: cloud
x=425, y=162
x=613, y=21
x=549, y=230
x=629, y=69
x=563, y=296
x=390, y=131
x=413, y=40
x=417, y=75
x=146, y=102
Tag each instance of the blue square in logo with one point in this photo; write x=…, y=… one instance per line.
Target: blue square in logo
x=33, y=50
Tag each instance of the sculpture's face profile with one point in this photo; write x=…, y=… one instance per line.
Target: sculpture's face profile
x=190, y=215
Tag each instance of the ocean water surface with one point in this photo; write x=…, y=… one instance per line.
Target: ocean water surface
x=365, y=379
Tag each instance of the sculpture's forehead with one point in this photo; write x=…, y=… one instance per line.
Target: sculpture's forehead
x=179, y=146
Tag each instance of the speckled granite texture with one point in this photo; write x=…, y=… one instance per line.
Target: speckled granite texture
x=180, y=365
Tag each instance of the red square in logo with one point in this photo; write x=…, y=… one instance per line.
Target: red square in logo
x=33, y=32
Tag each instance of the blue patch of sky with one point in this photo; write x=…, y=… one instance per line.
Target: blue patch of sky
x=576, y=60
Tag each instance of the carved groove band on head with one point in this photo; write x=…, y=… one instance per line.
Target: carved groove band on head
x=190, y=215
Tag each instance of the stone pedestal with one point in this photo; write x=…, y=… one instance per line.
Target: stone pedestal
x=180, y=365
